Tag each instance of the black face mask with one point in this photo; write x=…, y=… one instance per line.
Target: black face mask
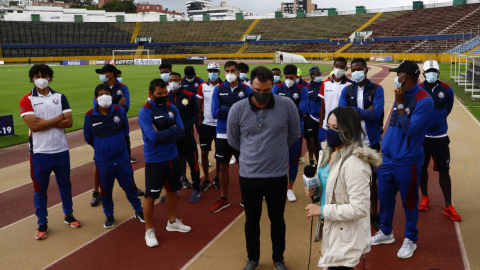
x=160, y=100
x=261, y=98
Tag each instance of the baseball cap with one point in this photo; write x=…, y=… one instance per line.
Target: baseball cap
x=213, y=66
x=409, y=67
x=313, y=69
x=431, y=64
x=189, y=71
x=106, y=68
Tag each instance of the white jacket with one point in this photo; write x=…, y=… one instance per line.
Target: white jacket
x=346, y=231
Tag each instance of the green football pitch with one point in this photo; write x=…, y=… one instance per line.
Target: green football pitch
x=77, y=83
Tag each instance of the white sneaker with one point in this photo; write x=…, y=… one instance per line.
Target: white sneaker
x=233, y=160
x=407, y=249
x=291, y=197
x=177, y=226
x=209, y=164
x=380, y=238
x=150, y=238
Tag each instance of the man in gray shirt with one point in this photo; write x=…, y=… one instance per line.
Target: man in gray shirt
x=262, y=128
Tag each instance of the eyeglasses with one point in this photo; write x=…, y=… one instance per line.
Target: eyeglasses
x=261, y=117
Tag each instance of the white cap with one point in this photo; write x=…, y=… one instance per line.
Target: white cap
x=213, y=66
x=431, y=64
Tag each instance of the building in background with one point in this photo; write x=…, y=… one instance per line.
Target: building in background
x=201, y=7
x=291, y=7
x=197, y=5
x=52, y=4
x=146, y=7
x=101, y=3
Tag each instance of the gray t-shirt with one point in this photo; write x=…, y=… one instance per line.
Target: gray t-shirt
x=263, y=150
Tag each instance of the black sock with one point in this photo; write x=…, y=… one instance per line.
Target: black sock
x=223, y=198
x=171, y=222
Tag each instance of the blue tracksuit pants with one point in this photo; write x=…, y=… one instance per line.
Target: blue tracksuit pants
x=294, y=154
x=41, y=166
x=124, y=174
x=406, y=179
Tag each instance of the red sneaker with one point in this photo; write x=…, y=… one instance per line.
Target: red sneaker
x=450, y=211
x=41, y=232
x=219, y=206
x=424, y=204
x=73, y=222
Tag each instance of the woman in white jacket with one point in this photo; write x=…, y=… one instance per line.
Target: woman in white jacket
x=345, y=170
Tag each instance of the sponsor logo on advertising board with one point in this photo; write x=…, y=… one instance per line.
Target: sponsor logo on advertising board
x=148, y=61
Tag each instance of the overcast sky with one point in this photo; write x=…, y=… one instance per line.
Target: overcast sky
x=263, y=7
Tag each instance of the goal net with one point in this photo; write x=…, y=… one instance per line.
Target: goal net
x=130, y=57
x=323, y=55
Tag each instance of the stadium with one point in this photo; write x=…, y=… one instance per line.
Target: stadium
x=78, y=43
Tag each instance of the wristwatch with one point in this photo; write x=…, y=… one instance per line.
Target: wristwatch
x=400, y=106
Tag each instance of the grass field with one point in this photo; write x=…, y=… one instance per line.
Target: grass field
x=78, y=84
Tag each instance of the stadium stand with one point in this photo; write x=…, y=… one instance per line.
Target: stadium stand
x=466, y=46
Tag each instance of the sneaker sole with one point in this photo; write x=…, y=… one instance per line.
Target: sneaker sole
x=292, y=200
x=205, y=188
x=223, y=207
x=450, y=216
x=72, y=225
x=385, y=242
x=410, y=255
x=42, y=237
x=154, y=245
x=141, y=220
x=176, y=230
x=108, y=227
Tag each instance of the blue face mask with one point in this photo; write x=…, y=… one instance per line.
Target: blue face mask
x=358, y=76
x=103, y=78
x=333, y=138
x=431, y=77
x=397, y=83
x=213, y=76
x=276, y=79
x=318, y=79
x=243, y=76
x=120, y=80
x=165, y=77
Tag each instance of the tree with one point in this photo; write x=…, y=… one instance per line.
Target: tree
x=121, y=6
x=12, y=3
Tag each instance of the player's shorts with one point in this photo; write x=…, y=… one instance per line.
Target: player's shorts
x=161, y=174
x=224, y=152
x=311, y=129
x=438, y=149
x=207, y=135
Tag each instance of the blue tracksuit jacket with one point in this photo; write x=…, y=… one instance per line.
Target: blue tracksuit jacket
x=371, y=117
x=119, y=90
x=298, y=94
x=191, y=86
x=314, y=101
x=443, y=99
x=161, y=145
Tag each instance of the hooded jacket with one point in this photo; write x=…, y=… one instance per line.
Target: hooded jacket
x=346, y=231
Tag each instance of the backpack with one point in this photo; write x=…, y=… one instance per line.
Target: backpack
x=373, y=89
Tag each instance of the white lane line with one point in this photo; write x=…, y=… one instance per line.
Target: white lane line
x=212, y=241
x=466, y=264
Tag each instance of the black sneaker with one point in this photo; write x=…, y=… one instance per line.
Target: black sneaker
x=139, y=191
x=95, y=198
x=251, y=265
x=140, y=217
x=280, y=266
x=109, y=222
x=375, y=221
x=133, y=160
x=216, y=182
x=312, y=162
x=206, y=184
x=186, y=184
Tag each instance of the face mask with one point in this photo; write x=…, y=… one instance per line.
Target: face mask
x=333, y=138
x=230, y=77
x=276, y=79
x=358, y=76
x=160, y=100
x=174, y=86
x=243, y=76
x=431, y=77
x=190, y=80
x=120, y=80
x=289, y=83
x=297, y=80
x=261, y=98
x=165, y=77
x=41, y=83
x=103, y=78
x=104, y=101
x=213, y=76
x=318, y=79
x=397, y=83
x=338, y=72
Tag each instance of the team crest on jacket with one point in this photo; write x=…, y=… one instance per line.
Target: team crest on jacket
x=407, y=110
x=171, y=115
x=196, y=85
x=22, y=109
x=295, y=96
x=185, y=102
x=241, y=94
x=116, y=119
x=370, y=98
x=55, y=101
x=119, y=92
x=441, y=95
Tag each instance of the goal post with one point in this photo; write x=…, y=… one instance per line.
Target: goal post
x=130, y=54
x=377, y=53
x=323, y=55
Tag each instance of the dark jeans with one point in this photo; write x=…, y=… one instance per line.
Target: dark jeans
x=275, y=192
x=340, y=268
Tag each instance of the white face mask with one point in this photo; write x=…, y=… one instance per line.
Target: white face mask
x=104, y=101
x=289, y=83
x=41, y=83
x=173, y=86
x=338, y=72
x=230, y=77
x=190, y=80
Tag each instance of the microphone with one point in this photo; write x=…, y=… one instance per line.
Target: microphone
x=310, y=178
